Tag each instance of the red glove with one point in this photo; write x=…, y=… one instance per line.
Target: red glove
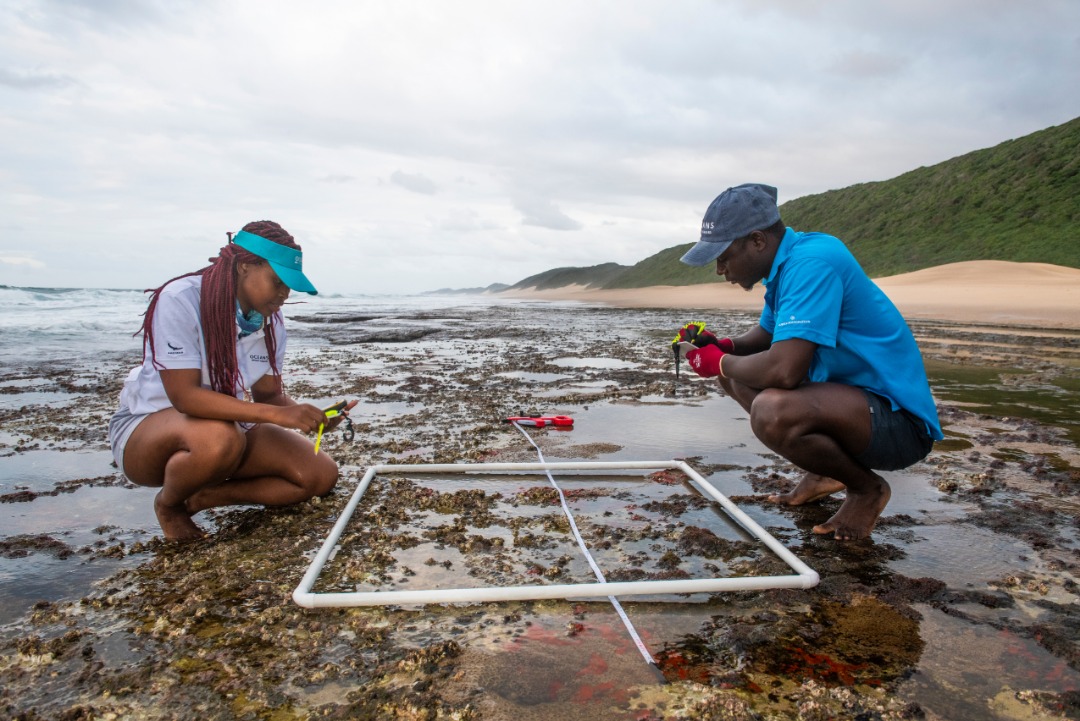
x=705, y=361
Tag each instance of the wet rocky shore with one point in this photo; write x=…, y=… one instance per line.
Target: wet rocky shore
x=963, y=605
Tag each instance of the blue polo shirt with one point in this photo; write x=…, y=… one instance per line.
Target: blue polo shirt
x=817, y=291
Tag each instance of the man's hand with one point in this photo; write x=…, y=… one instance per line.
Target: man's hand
x=703, y=349
x=705, y=361
x=694, y=333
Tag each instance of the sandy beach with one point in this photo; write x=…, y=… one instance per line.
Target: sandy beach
x=984, y=291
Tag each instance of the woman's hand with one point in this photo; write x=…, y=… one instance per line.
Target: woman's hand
x=307, y=418
x=335, y=421
x=304, y=417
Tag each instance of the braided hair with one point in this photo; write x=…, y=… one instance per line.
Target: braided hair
x=217, y=308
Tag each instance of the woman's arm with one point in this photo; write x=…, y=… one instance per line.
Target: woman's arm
x=187, y=395
x=270, y=390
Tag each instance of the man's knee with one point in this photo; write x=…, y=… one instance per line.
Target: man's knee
x=776, y=416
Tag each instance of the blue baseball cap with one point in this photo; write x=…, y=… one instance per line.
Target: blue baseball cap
x=287, y=262
x=737, y=212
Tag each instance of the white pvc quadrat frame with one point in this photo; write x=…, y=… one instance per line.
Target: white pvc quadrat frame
x=804, y=576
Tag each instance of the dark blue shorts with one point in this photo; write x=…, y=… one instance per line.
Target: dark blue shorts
x=897, y=438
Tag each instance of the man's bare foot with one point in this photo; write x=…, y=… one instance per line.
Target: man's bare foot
x=176, y=523
x=858, y=513
x=812, y=487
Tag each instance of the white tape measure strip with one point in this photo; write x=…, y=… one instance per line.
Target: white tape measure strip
x=588, y=556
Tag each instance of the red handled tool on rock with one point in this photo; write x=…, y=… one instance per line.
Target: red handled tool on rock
x=541, y=421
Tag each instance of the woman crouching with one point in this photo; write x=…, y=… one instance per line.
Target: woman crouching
x=205, y=417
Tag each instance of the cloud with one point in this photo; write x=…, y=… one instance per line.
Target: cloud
x=466, y=220
x=176, y=120
x=868, y=65
x=34, y=79
x=415, y=183
x=544, y=214
x=22, y=261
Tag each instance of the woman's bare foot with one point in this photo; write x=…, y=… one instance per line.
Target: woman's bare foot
x=812, y=487
x=858, y=513
x=176, y=523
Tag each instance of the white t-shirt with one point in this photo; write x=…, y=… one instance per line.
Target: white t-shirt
x=179, y=344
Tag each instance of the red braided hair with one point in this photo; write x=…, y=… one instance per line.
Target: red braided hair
x=217, y=308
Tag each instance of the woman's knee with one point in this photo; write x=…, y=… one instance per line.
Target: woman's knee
x=220, y=443
x=322, y=477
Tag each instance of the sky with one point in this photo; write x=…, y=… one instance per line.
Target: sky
x=411, y=146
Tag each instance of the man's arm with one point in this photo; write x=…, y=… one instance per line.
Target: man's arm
x=784, y=365
x=755, y=340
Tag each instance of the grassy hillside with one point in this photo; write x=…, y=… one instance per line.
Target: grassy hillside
x=592, y=277
x=493, y=288
x=1018, y=201
x=663, y=268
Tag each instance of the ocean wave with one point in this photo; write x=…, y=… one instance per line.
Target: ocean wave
x=59, y=322
x=68, y=296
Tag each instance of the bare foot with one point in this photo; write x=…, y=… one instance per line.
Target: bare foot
x=858, y=513
x=812, y=487
x=176, y=523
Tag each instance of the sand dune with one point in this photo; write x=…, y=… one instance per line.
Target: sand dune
x=984, y=291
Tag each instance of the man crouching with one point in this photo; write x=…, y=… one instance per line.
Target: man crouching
x=831, y=375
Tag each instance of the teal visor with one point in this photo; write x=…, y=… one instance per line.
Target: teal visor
x=287, y=262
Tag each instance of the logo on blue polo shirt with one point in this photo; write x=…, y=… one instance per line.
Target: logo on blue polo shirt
x=792, y=321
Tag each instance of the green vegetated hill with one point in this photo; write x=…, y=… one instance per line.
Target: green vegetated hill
x=1018, y=201
x=664, y=268
x=493, y=288
x=595, y=276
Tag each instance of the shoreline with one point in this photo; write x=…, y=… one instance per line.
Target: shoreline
x=985, y=291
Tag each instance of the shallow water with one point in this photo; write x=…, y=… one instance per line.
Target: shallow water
x=656, y=428
x=967, y=670
x=594, y=362
x=73, y=516
x=987, y=390
x=39, y=577
x=42, y=470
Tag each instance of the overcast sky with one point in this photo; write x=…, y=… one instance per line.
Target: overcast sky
x=412, y=145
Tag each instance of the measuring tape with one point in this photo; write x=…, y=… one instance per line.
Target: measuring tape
x=588, y=556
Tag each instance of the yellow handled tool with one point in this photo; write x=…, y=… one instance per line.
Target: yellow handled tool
x=330, y=412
